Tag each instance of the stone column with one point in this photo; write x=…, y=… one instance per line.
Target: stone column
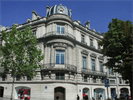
x=52, y=54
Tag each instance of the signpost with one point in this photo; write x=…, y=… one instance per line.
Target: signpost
x=107, y=85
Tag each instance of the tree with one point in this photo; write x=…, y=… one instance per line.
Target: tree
x=21, y=57
x=117, y=45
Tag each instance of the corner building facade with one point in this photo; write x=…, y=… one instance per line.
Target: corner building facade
x=72, y=64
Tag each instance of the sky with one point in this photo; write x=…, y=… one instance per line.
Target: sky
x=99, y=12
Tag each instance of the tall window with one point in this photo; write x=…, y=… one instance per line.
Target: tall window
x=91, y=42
x=18, y=78
x=93, y=64
x=99, y=48
x=101, y=67
x=61, y=29
x=3, y=77
x=111, y=71
x=84, y=62
x=82, y=38
x=60, y=57
x=60, y=76
x=85, y=78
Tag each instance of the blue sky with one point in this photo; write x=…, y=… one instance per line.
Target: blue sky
x=100, y=13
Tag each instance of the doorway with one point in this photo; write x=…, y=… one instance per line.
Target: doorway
x=1, y=91
x=59, y=92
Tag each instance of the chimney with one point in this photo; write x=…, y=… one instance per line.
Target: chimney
x=47, y=9
x=87, y=24
x=34, y=15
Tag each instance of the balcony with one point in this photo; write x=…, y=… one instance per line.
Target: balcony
x=96, y=73
x=53, y=66
x=53, y=33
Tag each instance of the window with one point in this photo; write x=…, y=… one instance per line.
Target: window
x=93, y=64
x=82, y=38
x=61, y=29
x=60, y=57
x=3, y=77
x=91, y=42
x=110, y=71
x=85, y=78
x=28, y=78
x=17, y=78
x=120, y=80
x=60, y=76
x=94, y=80
x=101, y=67
x=99, y=47
x=112, y=81
x=34, y=32
x=84, y=62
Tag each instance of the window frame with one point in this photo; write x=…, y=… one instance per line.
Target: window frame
x=60, y=76
x=83, y=38
x=84, y=67
x=94, y=64
x=91, y=42
x=60, y=57
x=100, y=63
x=60, y=29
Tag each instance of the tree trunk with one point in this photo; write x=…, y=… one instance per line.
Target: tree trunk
x=12, y=88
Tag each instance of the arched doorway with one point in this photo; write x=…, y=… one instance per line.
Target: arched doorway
x=86, y=92
x=59, y=92
x=26, y=92
x=98, y=92
x=1, y=91
x=124, y=91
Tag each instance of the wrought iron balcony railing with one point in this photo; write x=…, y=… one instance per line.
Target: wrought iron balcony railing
x=91, y=72
x=59, y=34
x=53, y=66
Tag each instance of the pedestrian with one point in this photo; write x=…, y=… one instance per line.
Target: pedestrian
x=77, y=97
x=57, y=97
x=100, y=96
x=86, y=97
x=115, y=96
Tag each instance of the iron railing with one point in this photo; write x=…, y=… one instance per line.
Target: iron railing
x=59, y=34
x=91, y=72
x=53, y=66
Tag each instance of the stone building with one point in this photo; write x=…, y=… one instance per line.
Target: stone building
x=72, y=64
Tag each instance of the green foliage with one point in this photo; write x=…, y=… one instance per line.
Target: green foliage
x=20, y=53
x=117, y=44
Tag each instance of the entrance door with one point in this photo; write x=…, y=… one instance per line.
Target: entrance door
x=113, y=92
x=1, y=91
x=59, y=93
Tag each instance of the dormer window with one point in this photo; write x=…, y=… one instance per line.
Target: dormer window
x=61, y=29
x=61, y=10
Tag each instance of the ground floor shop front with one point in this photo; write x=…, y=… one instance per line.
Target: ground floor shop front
x=60, y=91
